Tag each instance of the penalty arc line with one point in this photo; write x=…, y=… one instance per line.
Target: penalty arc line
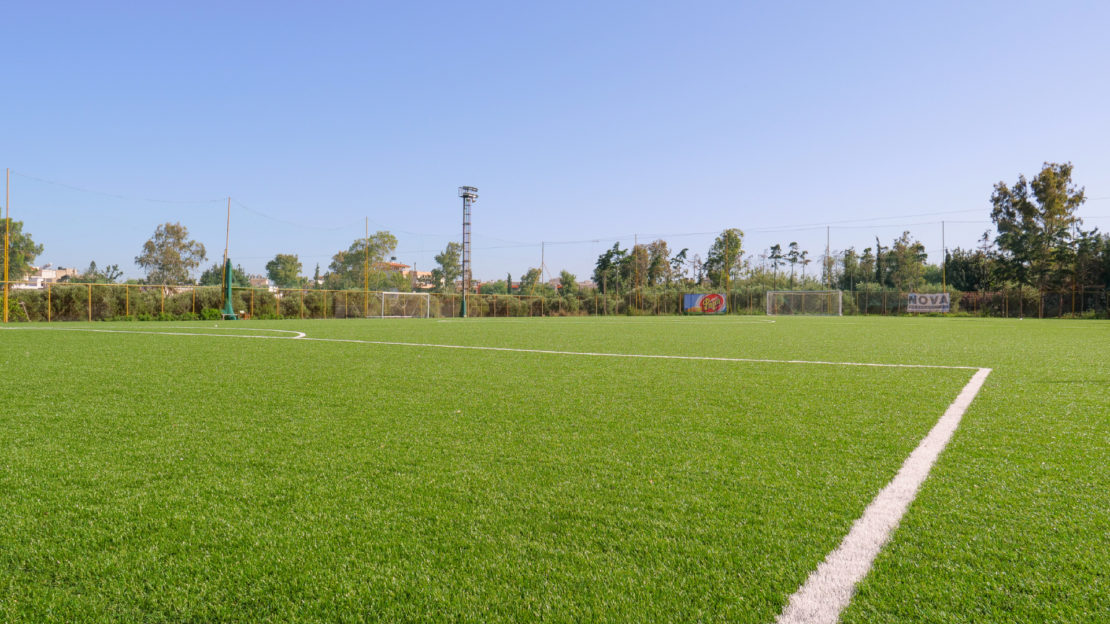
x=167, y=333
x=830, y=587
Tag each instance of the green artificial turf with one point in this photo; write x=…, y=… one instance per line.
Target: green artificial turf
x=198, y=478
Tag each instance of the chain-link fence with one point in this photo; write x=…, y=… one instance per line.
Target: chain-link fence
x=96, y=302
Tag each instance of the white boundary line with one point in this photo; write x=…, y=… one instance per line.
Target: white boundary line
x=830, y=587
x=430, y=345
x=649, y=356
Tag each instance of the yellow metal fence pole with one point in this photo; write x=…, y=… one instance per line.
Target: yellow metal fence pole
x=7, y=235
x=90, y=302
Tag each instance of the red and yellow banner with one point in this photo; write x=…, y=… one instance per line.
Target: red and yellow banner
x=704, y=304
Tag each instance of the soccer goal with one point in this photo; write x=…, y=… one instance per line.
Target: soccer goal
x=810, y=302
x=400, y=305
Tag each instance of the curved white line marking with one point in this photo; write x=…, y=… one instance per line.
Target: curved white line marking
x=830, y=587
x=299, y=335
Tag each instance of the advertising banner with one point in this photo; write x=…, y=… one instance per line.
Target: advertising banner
x=704, y=304
x=936, y=302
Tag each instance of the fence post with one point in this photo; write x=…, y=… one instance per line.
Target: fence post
x=48, y=303
x=90, y=302
x=163, y=304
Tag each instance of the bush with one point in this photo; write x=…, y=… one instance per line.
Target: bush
x=211, y=314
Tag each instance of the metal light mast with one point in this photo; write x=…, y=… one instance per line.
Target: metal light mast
x=468, y=195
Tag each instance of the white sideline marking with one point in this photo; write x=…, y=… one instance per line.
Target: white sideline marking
x=575, y=319
x=830, y=587
x=635, y=355
x=430, y=345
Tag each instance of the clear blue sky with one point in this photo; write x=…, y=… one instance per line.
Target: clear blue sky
x=591, y=121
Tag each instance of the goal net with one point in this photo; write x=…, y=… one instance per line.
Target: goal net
x=399, y=305
x=809, y=302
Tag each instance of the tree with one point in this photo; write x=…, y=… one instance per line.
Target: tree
x=1102, y=262
x=1036, y=222
x=634, y=269
x=450, y=267
x=94, y=275
x=804, y=260
x=509, y=283
x=529, y=281
x=678, y=265
x=285, y=270
x=792, y=257
x=697, y=268
x=776, y=261
x=214, y=276
x=607, y=271
x=907, y=263
x=828, y=268
x=493, y=288
x=659, y=269
x=357, y=267
x=568, y=283
x=21, y=250
x=866, y=266
x=972, y=270
x=853, y=269
x=881, y=263
x=170, y=256
x=723, y=262
x=1092, y=260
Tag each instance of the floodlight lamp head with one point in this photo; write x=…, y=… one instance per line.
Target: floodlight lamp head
x=469, y=192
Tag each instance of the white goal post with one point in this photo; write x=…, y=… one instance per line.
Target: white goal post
x=400, y=305
x=810, y=302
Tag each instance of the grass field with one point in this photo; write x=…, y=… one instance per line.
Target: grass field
x=335, y=477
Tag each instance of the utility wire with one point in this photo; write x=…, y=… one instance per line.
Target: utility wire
x=116, y=195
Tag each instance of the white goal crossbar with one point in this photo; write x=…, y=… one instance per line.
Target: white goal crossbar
x=810, y=302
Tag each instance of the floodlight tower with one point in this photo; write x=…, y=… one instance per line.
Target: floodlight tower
x=468, y=195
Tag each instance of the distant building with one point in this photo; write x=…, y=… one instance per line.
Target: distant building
x=420, y=280
x=261, y=281
x=394, y=267
x=41, y=277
